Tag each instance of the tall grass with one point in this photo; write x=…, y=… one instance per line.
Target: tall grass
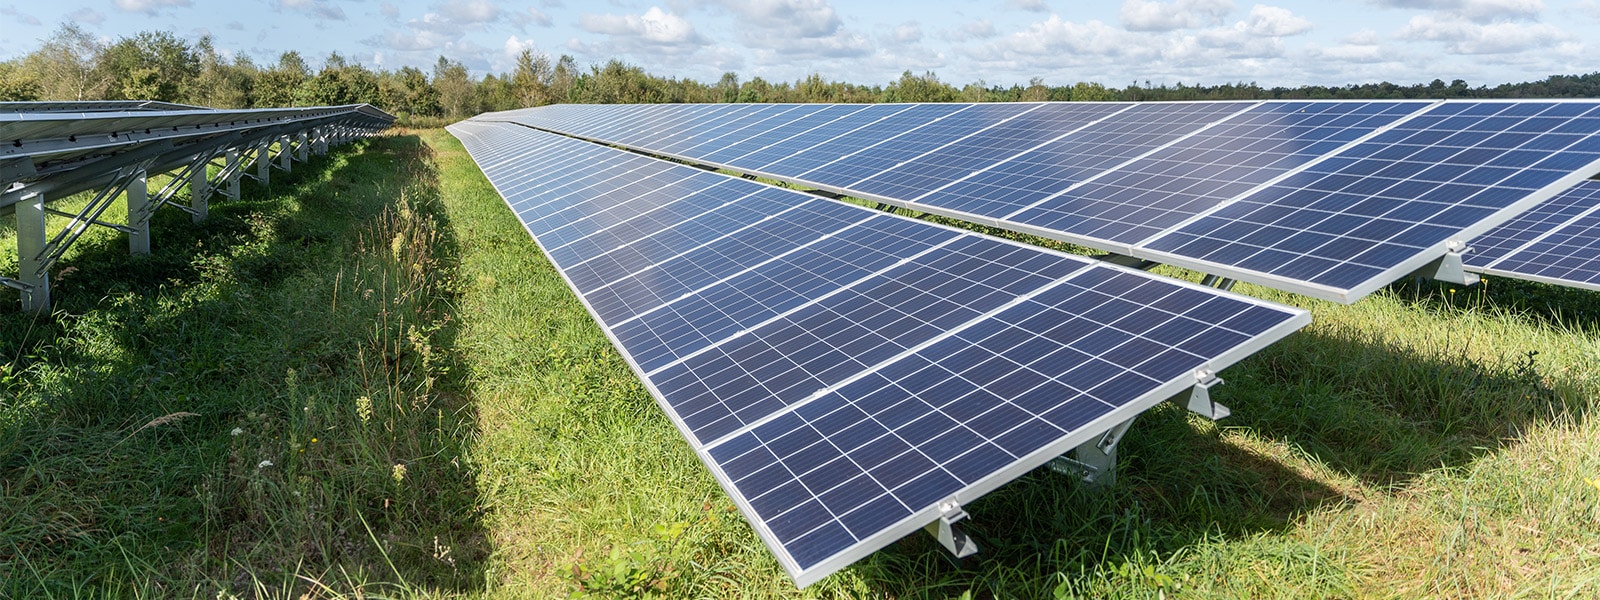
x=442, y=418
x=304, y=334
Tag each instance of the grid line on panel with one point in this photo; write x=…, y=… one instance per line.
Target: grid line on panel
x=912, y=143
x=810, y=140
x=1351, y=217
x=1534, y=225
x=1145, y=196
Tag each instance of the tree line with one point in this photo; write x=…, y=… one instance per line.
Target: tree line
x=157, y=65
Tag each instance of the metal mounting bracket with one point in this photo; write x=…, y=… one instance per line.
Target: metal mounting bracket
x=1449, y=268
x=1199, y=397
x=1095, y=462
x=1128, y=261
x=945, y=530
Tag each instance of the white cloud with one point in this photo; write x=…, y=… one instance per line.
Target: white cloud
x=805, y=18
x=1273, y=21
x=514, y=47
x=532, y=15
x=980, y=29
x=318, y=8
x=11, y=12
x=655, y=28
x=470, y=11
x=149, y=7
x=1029, y=5
x=1150, y=15
x=1464, y=36
x=908, y=33
x=389, y=11
x=1482, y=11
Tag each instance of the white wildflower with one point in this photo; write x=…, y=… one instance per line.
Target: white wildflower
x=237, y=431
x=263, y=464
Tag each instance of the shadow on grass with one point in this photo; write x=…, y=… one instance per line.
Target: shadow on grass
x=266, y=405
x=1348, y=402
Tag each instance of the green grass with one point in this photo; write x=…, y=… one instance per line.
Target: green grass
x=1429, y=441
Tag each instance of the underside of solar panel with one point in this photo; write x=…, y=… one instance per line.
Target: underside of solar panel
x=1331, y=199
x=848, y=375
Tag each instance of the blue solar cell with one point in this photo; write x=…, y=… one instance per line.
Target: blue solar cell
x=1030, y=177
x=846, y=370
x=1419, y=214
x=1557, y=241
x=1191, y=175
x=982, y=149
x=909, y=144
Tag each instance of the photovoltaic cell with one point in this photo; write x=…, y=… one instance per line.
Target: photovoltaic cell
x=1363, y=217
x=1033, y=176
x=1327, y=198
x=1194, y=174
x=1557, y=241
x=842, y=370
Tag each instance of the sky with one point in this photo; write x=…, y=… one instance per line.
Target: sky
x=998, y=42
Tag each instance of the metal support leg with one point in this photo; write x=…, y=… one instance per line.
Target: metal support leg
x=264, y=163
x=138, y=196
x=285, y=153
x=233, y=168
x=1096, y=460
x=199, y=191
x=321, y=147
x=30, y=254
x=1449, y=268
x=302, y=151
x=952, y=537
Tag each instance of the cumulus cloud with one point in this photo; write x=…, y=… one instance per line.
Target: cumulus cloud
x=1273, y=21
x=532, y=15
x=1464, y=36
x=655, y=28
x=149, y=7
x=1481, y=11
x=12, y=13
x=469, y=11
x=908, y=33
x=805, y=18
x=1150, y=15
x=980, y=29
x=317, y=8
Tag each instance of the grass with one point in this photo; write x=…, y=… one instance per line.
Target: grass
x=1429, y=441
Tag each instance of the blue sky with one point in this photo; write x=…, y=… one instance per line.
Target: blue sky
x=1276, y=42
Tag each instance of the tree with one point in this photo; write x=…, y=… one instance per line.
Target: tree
x=924, y=88
x=152, y=65
x=457, y=94
x=68, y=66
x=1088, y=91
x=220, y=84
x=276, y=87
x=531, y=82
x=18, y=85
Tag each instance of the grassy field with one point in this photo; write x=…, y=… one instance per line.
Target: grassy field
x=366, y=382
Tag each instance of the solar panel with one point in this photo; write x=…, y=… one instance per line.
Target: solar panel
x=1372, y=213
x=841, y=371
x=1332, y=199
x=1557, y=241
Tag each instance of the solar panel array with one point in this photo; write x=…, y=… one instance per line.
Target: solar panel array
x=1331, y=199
x=843, y=371
x=1557, y=241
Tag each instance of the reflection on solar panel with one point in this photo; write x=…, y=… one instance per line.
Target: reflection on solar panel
x=1557, y=241
x=1332, y=199
x=848, y=375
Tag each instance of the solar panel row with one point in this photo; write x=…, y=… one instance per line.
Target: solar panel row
x=842, y=371
x=1332, y=199
x=1557, y=241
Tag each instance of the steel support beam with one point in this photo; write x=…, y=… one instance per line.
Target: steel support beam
x=264, y=163
x=234, y=171
x=200, y=191
x=138, y=196
x=285, y=154
x=302, y=150
x=35, y=277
